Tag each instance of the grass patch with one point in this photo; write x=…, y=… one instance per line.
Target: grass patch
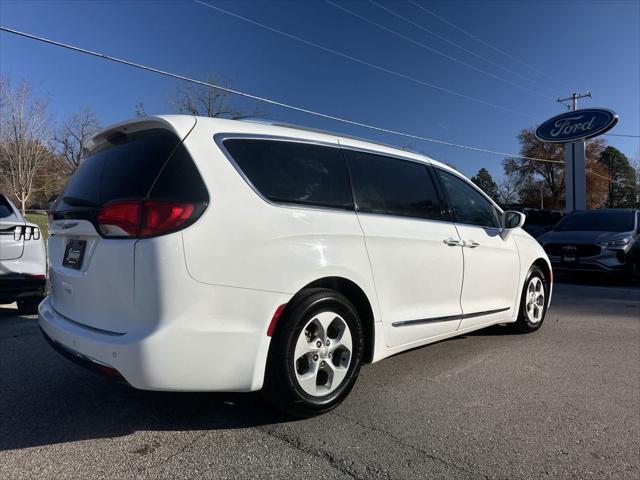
x=40, y=220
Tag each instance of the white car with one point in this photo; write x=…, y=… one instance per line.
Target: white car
x=201, y=254
x=23, y=260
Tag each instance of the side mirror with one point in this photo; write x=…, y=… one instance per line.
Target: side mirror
x=51, y=201
x=510, y=221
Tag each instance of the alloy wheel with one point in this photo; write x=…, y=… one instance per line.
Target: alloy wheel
x=535, y=300
x=323, y=354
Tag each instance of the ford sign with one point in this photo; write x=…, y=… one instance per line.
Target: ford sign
x=577, y=125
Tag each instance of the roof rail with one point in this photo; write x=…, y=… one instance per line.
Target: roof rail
x=276, y=123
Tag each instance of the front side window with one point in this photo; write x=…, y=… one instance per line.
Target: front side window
x=392, y=186
x=290, y=172
x=469, y=206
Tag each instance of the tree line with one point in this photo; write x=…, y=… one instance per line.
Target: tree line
x=38, y=154
x=612, y=180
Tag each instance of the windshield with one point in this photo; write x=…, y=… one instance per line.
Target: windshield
x=599, y=222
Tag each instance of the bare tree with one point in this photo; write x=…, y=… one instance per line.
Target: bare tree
x=208, y=101
x=24, y=139
x=73, y=135
x=508, y=189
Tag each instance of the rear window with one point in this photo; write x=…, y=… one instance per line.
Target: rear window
x=128, y=166
x=294, y=173
x=5, y=208
x=597, y=221
x=392, y=186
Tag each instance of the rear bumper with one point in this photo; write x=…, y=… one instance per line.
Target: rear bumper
x=185, y=354
x=14, y=287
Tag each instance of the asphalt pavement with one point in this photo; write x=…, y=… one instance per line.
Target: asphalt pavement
x=563, y=402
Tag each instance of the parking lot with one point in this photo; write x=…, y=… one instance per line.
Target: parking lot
x=560, y=403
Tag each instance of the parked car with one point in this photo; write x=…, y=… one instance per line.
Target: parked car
x=202, y=254
x=603, y=240
x=540, y=221
x=23, y=260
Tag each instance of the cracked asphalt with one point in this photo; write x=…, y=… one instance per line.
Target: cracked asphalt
x=561, y=403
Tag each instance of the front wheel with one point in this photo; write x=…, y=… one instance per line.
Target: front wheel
x=316, y=352
x=533, y=302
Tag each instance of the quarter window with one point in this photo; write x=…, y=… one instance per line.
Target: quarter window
x=298, y=173
x=469, y=205
x=392, y=186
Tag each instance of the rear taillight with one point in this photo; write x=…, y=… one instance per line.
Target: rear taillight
x=161, y=216
x=143, y=218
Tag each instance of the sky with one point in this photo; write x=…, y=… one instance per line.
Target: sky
x=521, y=56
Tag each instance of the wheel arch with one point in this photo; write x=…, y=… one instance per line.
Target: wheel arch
x=544, y=265
x=360, y=301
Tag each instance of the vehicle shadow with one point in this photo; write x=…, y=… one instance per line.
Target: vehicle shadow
x=44, y=399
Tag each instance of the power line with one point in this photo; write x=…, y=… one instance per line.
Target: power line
x=361, y=61
x=487, y=44
x=621, y=135
x=612, y=180
x=263, y=99
x=444, y=39
x=433, y=50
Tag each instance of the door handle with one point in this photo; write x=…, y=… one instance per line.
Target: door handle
x=452, y=242
x=471, y=243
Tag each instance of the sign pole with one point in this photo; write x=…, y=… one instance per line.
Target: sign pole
x=575, y=176
x=575, y=166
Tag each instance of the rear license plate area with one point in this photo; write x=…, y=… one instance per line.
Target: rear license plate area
x=74, y=254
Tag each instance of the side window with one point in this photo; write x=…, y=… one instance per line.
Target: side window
x=392, y=186
x=289, y=172
x=469, y=205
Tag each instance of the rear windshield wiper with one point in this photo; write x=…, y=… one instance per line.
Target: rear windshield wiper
x=79, y=202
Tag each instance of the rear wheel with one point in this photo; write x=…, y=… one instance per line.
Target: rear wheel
x=533, y=302
x=315, y=354
x=28, y=306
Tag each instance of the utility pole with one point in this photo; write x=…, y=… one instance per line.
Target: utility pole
x=575, y=163
x=574, y=99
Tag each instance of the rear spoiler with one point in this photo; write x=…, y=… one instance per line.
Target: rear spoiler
x=181, y=125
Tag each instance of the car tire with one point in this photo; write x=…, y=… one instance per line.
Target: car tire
x=534, y=301
x=28, y=306
x=315, y=353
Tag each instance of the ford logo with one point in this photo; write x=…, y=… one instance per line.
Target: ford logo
x=577, y=125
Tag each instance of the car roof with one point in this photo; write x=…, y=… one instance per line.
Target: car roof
x=606, y=210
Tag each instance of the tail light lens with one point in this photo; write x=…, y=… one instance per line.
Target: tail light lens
x=143, y=218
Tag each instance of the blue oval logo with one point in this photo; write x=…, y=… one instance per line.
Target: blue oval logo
x=577, y=125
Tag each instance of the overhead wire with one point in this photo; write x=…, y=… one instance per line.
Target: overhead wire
x=361, y=61
x=485, y=43
x=446, y=40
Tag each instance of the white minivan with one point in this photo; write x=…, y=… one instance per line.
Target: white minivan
x=200, y=254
